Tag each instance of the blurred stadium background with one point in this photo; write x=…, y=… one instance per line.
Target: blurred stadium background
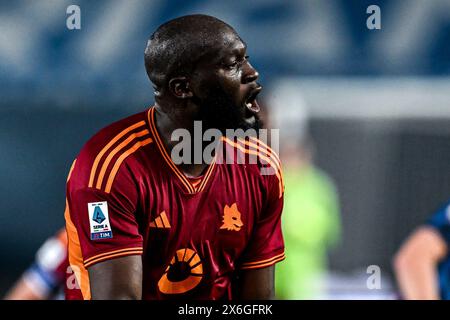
x=377, y=104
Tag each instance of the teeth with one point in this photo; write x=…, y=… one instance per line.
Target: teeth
x=249, y=105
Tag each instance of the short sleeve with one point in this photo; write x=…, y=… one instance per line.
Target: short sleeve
x=440, y=220
x=266, y=245
x=106, y=222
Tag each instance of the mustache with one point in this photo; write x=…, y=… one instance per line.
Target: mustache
x=220, y=112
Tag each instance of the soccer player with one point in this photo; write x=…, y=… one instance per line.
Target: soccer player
x=142, y=227
x=45, y=278
x=422, y=265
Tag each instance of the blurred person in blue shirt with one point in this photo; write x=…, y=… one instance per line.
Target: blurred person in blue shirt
x=45, y=278
x=422, y=264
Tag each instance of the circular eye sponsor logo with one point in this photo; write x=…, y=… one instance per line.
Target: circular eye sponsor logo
x=183, y=274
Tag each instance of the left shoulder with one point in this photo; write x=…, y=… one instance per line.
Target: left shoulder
x=259, y=159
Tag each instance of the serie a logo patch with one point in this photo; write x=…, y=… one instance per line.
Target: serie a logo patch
x=99, y=220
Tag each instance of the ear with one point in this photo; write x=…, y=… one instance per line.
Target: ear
x=179, y=87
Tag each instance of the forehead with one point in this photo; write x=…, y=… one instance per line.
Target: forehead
x=228, y=44
x=232, y=44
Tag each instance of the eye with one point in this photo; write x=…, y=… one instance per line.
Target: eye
x=232, y=65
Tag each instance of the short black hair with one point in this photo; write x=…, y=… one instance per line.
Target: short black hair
x=177, y=45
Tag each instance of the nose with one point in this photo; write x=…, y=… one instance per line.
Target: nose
x=250, y=73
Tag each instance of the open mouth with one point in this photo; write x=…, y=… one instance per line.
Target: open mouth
x=250, y=103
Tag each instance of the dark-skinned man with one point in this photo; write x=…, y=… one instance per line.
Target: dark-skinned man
x=142, y=227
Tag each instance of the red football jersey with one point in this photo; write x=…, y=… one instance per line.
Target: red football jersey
x=125, y=196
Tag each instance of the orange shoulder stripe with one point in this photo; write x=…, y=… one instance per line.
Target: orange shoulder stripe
x=259, y=142
x=103, y=151
x=119, y=161
x=257, y=153
x=261, y=151
x=108, y=159
x=269, y=152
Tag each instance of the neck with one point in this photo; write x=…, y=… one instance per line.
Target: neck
x=166, y=125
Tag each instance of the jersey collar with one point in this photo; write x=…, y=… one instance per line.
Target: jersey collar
x=189, y=186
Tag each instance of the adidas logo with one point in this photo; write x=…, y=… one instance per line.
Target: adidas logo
x=160, y=221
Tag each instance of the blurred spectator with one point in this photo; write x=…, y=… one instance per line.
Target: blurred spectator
x=44, y=279
x=311, y=221
x=422, y=265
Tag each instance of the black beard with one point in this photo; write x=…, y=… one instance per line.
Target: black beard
x=218, y=111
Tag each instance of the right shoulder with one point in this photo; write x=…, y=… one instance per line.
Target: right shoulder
x=441, y=217
x=95, y=158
